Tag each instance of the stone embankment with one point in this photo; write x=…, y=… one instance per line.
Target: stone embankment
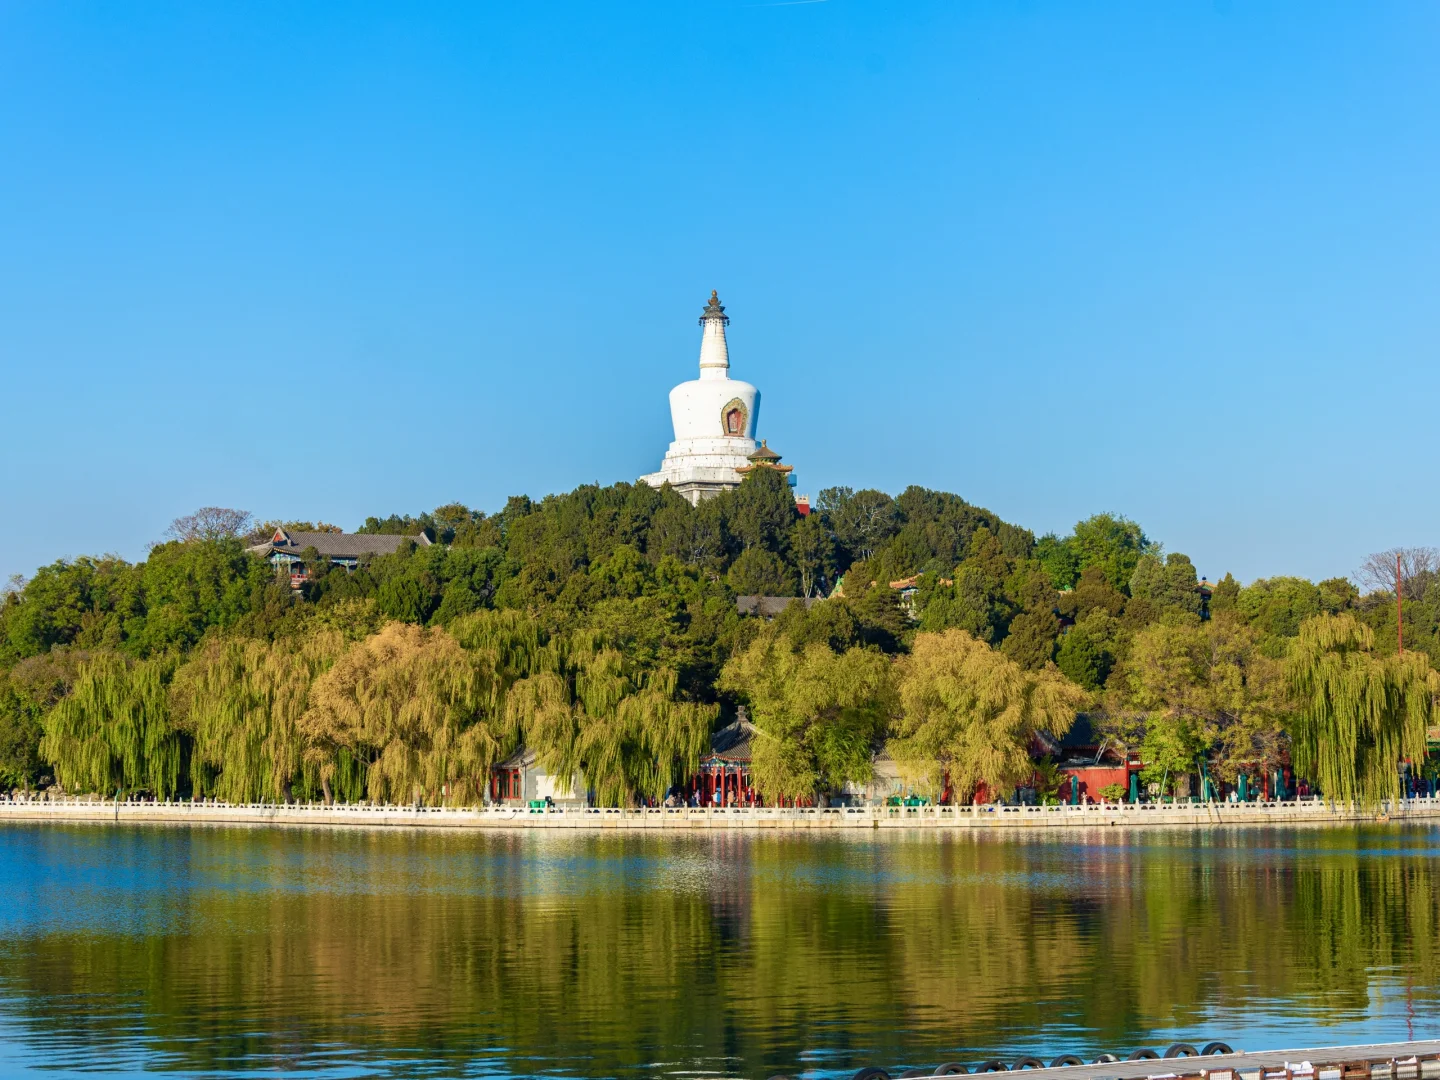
x=920, y=818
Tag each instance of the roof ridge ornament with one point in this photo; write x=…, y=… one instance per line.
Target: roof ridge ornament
x=714, y=309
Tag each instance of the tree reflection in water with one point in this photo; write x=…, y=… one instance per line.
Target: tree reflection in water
x=400, y=953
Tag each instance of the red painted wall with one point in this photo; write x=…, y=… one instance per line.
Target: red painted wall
x=1095, y=777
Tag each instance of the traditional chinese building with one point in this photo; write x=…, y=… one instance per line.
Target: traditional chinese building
x=714, y=418
x=1091, y=762
x=724, y=775
x=520, y=780
x=284, y=550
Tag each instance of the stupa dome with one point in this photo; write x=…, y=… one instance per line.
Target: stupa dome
x=714, y=418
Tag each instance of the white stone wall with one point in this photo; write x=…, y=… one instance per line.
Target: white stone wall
x=697, y=408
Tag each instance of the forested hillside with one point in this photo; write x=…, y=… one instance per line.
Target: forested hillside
x=600, y=628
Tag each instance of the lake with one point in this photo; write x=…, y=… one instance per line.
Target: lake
x=221, y=951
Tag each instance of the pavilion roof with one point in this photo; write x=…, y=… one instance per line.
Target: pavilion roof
x=336, y=545
x=731, y=744
x=763, y=453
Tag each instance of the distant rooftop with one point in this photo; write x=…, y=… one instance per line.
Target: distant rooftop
x=335, y=545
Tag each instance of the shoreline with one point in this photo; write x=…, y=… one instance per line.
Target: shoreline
x=687, y=819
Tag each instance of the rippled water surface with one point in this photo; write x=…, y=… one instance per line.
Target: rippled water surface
x=226, y=952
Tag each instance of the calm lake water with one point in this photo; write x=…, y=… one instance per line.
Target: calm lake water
x=232, y=951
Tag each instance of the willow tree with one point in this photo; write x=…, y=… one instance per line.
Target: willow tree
x=820, y=713
x=970, y=712
x=425, y=714
x=1358, y=713
x=623, y=729
x=114, y=731
x=1201, y=687
x=241, y=700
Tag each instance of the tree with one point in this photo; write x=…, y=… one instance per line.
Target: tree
x=20, y=734
x=420, y=711
x=812, y=549
x=820, y=713
x=757, y=572
x=1030, y=637
x=114, y=730
x=832, y=623
x=1209, y=687
x=676, y=532
x=210, y=523
x=1225, y=596
x=1060, y=560
x=1167, y=583
x=976, y=602
x=408, y=597
x=261, y=532
x=1030, y=640
x=188, y=587
x=1417, y=568
x=86, y=602
x=1080, y=660
x=1111, y=542
x=1277, y=606
x=861, y=520
x=622, y=729
x=969, y=712
x=1171, y=749
x=241, y=701
x=760, y=511
x=1358, y=714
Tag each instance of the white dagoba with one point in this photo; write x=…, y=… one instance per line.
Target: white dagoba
x=714, y=418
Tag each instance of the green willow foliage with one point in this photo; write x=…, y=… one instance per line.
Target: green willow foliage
x=819, y=712
x=615, y=607
x=114, y=731
x=970, y=713
x=621, y=729
x=241, y=700
x=1358, y=713
x=424, y=714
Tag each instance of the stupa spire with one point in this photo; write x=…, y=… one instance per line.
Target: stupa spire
x=714, y=352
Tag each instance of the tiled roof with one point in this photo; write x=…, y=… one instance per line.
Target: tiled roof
x=337, y=545
x=522, y=758
x=763, y=453
x=732, y=742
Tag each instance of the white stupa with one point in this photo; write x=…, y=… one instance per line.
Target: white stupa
x=714, y=418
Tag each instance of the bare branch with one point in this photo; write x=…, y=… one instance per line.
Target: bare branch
x=210, y=523
x=1419, y=566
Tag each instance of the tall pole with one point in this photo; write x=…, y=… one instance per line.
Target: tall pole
x=1399, y=610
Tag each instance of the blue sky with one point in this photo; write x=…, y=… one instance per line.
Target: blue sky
x=1178, y=261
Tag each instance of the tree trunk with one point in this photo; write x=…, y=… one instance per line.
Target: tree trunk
x=325, y=787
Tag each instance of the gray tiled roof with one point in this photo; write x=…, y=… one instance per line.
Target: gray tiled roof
x=732, y=742
x=523, y=758
x=339, y=545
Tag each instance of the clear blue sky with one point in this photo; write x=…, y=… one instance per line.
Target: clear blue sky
x=1178, y=261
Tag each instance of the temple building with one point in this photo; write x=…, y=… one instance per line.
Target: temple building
x=285, y=550
x=714, y=418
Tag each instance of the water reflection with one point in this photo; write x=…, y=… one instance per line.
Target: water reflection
x=385, y=953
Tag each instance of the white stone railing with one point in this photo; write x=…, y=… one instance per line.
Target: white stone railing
x=988, y=816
